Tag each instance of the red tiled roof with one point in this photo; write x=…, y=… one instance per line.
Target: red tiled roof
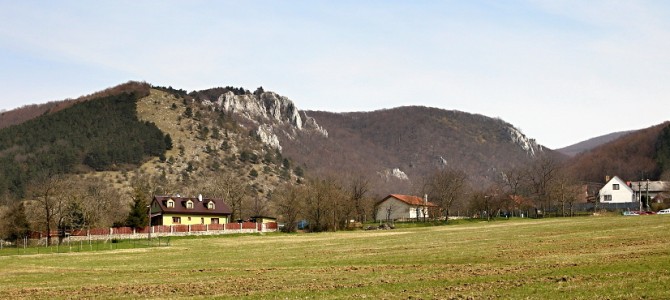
x=199, y=207
x=411, y=200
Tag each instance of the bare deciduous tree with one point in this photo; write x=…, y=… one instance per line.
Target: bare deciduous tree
x=231, y=188
x=542, y=174
x=359, y=186
x=326, y=205
x=101, y=204
x=444, y=187
x=50, y=202
x=566, y=190
x=289, y=201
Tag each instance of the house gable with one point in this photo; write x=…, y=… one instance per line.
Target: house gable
x=616, y=191
x=395, y=206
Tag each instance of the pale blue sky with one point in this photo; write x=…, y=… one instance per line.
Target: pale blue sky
x=561, y=71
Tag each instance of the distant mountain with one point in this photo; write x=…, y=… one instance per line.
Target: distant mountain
x=397, y=147
x=640, y=154
x=589, y=144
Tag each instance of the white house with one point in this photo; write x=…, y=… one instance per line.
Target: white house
x=403, y=207
x=616, y=191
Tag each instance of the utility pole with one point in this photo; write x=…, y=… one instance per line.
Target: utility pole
x=639, y=194
x=149, y=215
x=647, y=200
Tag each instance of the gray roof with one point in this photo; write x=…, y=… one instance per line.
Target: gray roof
x=654, y=186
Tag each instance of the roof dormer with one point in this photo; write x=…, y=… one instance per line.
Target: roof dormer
x=189, y=204
x=211, y=205
x=169, y=203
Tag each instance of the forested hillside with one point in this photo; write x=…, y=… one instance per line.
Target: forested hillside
x=99, y=134
x=99, y=162
x=643, y=154
x=589, y=144
x=414, y=140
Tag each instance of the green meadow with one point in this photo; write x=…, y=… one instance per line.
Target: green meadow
x=611, y=257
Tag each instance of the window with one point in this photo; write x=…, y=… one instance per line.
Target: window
x=607, y=198
x=215, y=220
x=189, y=204
x=170, y=203
x=202, y=220
x=210, y=205
x=176, y=220
x=615, y=187
x=189, y=218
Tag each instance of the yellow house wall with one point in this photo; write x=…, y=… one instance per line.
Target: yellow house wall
x=195, y=219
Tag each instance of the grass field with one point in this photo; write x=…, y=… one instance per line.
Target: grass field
x=573, y=258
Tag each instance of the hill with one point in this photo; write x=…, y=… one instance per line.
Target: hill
x=394, y=148
x=589, y=144
x=203, y=141
x=397, y=147
x=640, y=154
x=28, y=112
x=101, y=135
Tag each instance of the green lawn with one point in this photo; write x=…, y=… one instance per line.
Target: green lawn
x=575, y=258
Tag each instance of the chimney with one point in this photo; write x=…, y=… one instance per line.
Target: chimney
x=607, y=178
x=425, y=199
x=200, y=197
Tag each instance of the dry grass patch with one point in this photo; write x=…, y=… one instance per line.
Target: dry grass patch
x=575, y=258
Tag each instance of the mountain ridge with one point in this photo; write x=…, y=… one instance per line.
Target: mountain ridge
x=591, y=143
x=396, y=147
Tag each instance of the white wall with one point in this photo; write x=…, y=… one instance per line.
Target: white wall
x=622, y=195
x=398, y=210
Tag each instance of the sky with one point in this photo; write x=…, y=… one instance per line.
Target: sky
x=560, y=71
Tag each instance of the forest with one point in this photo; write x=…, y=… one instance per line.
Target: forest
x=98, y=134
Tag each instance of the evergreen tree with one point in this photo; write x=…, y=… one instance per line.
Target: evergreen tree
x=16, y=223
x=138, y=216
x=168, y=142
x=188, y=113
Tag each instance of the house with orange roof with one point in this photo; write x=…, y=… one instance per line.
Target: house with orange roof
x=397, y=207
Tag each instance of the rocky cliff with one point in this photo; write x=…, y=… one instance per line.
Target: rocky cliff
x=272, y=114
